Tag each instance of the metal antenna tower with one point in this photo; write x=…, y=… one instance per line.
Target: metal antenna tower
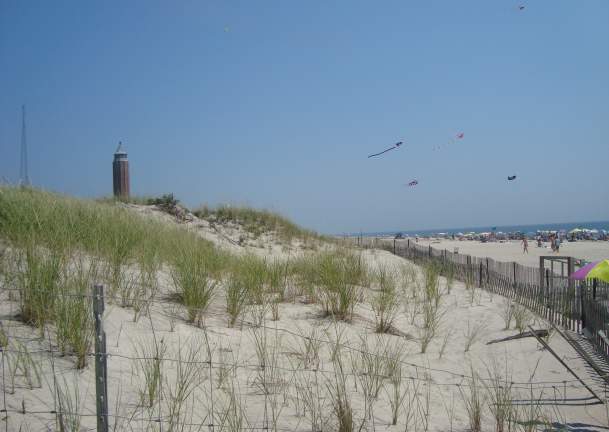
x=24, y=177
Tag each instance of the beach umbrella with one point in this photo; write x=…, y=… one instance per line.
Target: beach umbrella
x=594, y=270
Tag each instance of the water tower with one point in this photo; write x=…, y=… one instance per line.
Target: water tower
x=120, y=173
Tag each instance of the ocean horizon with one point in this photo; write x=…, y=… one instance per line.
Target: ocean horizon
x=527, y=229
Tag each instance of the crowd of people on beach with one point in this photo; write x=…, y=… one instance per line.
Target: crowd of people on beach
x=553, y=240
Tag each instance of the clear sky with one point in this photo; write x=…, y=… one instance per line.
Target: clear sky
x=276, y=104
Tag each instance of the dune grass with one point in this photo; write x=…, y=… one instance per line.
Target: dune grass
x=473, y=401
x=66, y=225
x=47, y=231
x=193, y=273
x=73, y=314
x=340, y=276
x=386, y=302
x=256, y=222
x=149, y=367
x=38, y=282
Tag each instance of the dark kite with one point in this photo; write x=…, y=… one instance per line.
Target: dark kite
x=396, y=145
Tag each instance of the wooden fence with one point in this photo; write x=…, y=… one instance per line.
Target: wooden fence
x=575, y=305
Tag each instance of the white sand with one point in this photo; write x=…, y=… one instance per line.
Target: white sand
x=439, y=382
x=513, y=250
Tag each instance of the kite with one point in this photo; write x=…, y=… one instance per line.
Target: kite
x=396, y=145
x=510, y=178
x=460, y=135
x=521, y=7
x=413, y=183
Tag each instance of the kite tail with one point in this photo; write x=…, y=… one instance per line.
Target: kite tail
x=384, y=151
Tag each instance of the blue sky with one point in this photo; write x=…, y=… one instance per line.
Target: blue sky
x=276, y=104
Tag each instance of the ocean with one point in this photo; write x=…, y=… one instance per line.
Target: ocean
x=527, y=229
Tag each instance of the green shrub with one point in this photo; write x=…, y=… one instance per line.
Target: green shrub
x=167, y=201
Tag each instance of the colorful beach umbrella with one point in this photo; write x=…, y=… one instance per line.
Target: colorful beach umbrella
x=594, y=270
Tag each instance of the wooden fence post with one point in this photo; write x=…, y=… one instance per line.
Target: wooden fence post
x=101, y=367
x=514, y=284
x=541, y=272
x=572, y=302
x=487, y=278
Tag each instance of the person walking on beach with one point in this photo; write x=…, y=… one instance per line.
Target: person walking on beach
x=557, y=244
x=525, y=245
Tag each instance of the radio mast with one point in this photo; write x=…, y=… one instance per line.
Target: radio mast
x=24, y=177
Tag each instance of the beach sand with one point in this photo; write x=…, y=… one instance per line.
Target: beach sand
x=512, y=250
x=279, y=397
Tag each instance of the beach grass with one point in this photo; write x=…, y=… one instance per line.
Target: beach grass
x=386, y=302
x=193, y=272
x=256, y=221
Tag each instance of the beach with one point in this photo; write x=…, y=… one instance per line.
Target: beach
x=294, y=332
x=512, y=251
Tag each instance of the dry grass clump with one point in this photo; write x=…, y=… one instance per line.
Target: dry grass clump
x=332, y=279
x=499, y=398
x=449, y=273
x=21, y=364
x=385, y=303
x=306, y=347
x=69, y=405
x=256, y=222
x=3, y=337
x=507, y=313
x=148, y=366
x=398, y=385
x=303, y=273
x=186, y=375
x=429, y=307
x=473, y=333
x=473, y=401
x=522, y=318
x=39, y=276
x=431, y=320
x=340, y=397
x=432, y=284
x=231, y=415
x=277, y=278
x=369, y=366
x=257, y=286
x=55, y=289
x=338, y=279
x=236, y=297
x=193, y=274
x=73, y=313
